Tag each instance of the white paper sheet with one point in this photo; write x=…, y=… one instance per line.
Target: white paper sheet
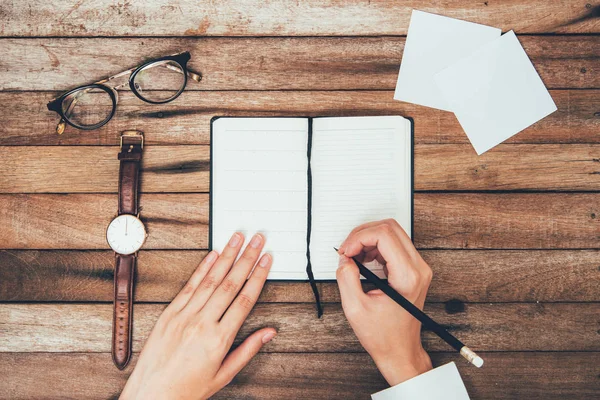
x=361, y=172
x=495, y=92
x=259, y=184
x=433, y=43
x=443, y=382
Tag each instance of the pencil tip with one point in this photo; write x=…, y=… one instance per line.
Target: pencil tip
x=335, y=248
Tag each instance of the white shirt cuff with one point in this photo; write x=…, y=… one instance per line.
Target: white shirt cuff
x=443, y=382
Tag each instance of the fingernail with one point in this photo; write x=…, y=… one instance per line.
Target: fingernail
x=342, y=260
x=256, y=241
x=235, y=240
x=264, y=261
x=212, y=256
x=341, y=249
x=268, y=337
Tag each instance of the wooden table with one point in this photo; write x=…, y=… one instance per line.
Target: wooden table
x=512, y=235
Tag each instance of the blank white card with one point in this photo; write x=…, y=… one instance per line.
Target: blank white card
x=495, y=92
x=433, y=43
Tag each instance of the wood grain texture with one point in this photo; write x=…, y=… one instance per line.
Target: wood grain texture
x=507, y=167
x=95, y=169
x=75, y=221
x=180, y=221
x=187, y=119
x=268, y=63
x=282, y=18
x=286, y=61
x=543, y=376
x=485, y=327
x=497, y=276
x=177, y=169
x=518, y=221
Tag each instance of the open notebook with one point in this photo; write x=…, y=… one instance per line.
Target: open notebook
x=305, y=183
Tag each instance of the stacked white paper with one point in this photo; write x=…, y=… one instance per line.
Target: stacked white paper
x=486, y=79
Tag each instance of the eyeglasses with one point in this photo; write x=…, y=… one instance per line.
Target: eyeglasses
x=91, y=106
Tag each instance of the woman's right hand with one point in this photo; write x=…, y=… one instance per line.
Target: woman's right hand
x=387, y=332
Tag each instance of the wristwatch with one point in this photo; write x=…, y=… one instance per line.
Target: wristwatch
x=125, y=235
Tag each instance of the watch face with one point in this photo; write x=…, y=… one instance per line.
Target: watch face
x=126, y=234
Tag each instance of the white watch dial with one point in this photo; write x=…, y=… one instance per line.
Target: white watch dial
x=126, y=234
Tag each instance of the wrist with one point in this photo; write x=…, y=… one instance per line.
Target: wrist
x=400, y=367
x=134, y=388
x=129, y=391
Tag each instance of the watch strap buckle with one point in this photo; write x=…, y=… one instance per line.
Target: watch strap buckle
x=131, y=138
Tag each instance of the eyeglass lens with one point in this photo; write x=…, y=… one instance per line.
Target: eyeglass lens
x=160, y=81
x=88, y=107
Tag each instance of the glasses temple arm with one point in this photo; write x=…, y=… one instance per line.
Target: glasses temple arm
x=74, y=102
x=191, y=74
x=196, y=76
x=120, y=74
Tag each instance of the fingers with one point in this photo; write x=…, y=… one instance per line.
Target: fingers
x=383, y=237
x=390, y=221
x=216, y=274
x=370, y=255
x=243, y=303
x=233, y=282
x=387, y=242
x=351, y=291
x=240, y=357
x=186, y=293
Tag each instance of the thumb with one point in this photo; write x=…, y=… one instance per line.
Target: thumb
x=240, y=357
x=348, y=278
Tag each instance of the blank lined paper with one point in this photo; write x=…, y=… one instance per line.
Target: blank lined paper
x=259, y=184
x=361, y=172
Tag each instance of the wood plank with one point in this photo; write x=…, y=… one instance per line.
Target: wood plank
x=282, y=18
x=543, y=376
x=517, y=221
x=485, y=327
x=267, y=63
x=441, y=220
x=95, y=169
x=176, y=169
x=501, y=276
x=187, y=120
x=508, y=167
x=77, y=221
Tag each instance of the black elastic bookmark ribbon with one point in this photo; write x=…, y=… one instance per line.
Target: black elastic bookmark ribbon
x=309, y=271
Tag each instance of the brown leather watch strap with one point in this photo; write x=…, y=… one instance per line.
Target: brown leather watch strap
x=132, y=143
x=129, y=172
x=123, y=309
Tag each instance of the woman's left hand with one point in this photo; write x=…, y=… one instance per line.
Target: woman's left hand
x=185, y=356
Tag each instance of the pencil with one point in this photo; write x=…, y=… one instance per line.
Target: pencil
x=427, y=322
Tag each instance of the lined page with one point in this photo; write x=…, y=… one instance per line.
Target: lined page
x=361, y=172
x=259, y=184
